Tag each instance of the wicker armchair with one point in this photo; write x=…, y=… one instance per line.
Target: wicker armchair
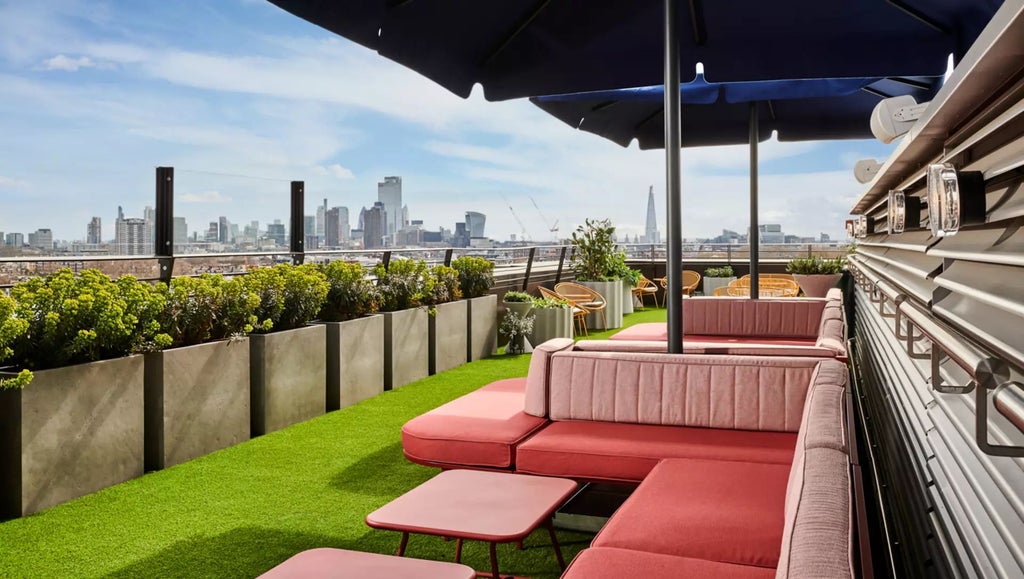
x=584, y=297
x=691, y=280
x=644, y=288
x=579, y=313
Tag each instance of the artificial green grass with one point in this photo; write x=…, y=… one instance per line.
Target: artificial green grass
x=244, y=509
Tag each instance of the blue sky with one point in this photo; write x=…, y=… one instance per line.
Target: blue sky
x=241, y=97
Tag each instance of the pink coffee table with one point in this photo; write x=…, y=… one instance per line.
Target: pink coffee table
x=344, y=564
x=495, y=507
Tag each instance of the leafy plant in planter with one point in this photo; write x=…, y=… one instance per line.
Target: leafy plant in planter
x=516, y=327
x=290, y=295
x=11, y=328
x=207, y=308
x=549, y=303
x=351, y=295
x=476, y=275
x=441, y=285
x=402, y=284
x=518, y=297
x=815, y=266
x=593, y=259
x=724, y=271
x=73, y=319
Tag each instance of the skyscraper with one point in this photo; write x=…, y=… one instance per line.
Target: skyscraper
x=278, y=233
x=389, y=194
x=132, y=237
x=332, y=227
x=41, y=239
x=223, y=229
x=321, y=219
x=180, y=232
x=374, y=220
x=309, y=232
x=94, y=232
x=651, y=233
x=475, y=223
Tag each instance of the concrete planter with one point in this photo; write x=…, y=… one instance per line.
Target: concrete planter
x=287, y=373
x=518, y=308
x=71, y=432
x=713, y=283
x=355, y=361
x=481, y=327
x=197, y=401
x=612, y=292
x=817, y=286
x=551, y=323
x=406, y=347
x=627, y=297
x=447, y=333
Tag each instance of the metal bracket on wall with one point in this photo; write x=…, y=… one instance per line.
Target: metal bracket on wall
x=910, y=339
x=1009, y=401
x=938, y=384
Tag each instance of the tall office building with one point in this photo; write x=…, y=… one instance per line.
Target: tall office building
x=94, y=232
x=41, y=239
x=180, y=232
x=321, y=220
x=375, y=224
x=651, y=233
x=277, y=232
x=223, y=229
x=133, y=237
x=389, y=194
x=332, y=228
x=149, y=214
x=475, y=223
x=309, y=238
x=14, y=239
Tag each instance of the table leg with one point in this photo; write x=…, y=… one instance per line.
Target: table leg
x=405, y=541
x=458, y=550
x=494, y=561
x=554, y=543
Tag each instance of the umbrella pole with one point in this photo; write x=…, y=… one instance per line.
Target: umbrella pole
x=754, y=236
x=674, y=238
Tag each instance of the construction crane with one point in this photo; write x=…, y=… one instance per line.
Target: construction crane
x=525, y=236
x=552, y=227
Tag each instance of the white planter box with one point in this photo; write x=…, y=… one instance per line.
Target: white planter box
x=612, y=292
x=406, y=347
x=287, y=372
x=447, y=330
x=817, y=286
x=355, y=360
x=713, y=283
x=71, y=432
x=197, y=401
x=551, y=323
x=481, y=327
x=627, y=297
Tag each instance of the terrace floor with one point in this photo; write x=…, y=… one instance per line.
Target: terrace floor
x=242, y=510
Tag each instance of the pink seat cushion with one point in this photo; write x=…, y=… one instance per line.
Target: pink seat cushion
x=625, y=452
x=342, y=564
x=725, y=511
x=606, y=563
x=480, y=429
x=658, y=332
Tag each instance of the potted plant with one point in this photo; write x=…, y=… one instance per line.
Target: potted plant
x=448, y=319
x=197, y=390
x=355, y=336
x=552, y=318
x=518, y=302
x=630, y=278
x=516, y=327
x=716, y=277
x=594, y=262
x=82, y=414
x=288, y=357
x=476, y=277
x=816, y=275
x=406, y=327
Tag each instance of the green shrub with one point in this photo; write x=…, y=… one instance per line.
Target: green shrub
x=207, y=308
x=352, y=295
x=549, y=303
x=11, y=329
x=517, y=297
x=476, y=275
x=441, y=286
x=402, y=284
x=73, y=319
x=815, y=265
x=290, y=295
x=724, y=271
x=594, y=258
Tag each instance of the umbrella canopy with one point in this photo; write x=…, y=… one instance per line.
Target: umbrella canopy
x=799, y=110
x=520, y=48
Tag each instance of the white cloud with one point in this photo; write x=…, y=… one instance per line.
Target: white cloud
x=67, y=64
x=12, y=183
x=205, y=197
x=335, y=170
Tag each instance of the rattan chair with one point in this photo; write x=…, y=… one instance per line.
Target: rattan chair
x=781, y=287
x=644, y=288
x=584, y=297
x=744, y=291
x=579, y=313
x=691, y=280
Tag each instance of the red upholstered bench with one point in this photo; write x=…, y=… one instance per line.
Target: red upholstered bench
x=343, y=564
x=608, y=563
x=480, y=429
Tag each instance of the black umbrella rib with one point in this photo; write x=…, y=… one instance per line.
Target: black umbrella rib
x=771, y=110
x=697, y=18
x=919, y=16
x=875, y=92
x=649, y=118
x=602, y=106
x=911, y=82
x=519, y=28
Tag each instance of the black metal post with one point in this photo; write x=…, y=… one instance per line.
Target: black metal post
x=163, y=242
x=448, y=257
x=754, y=237
x=297, y=227
x=386, y=260
x=673, y=179
x=561, y=263
x=529, y=267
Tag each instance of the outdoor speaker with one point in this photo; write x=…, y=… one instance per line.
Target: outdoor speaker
x=955, y=199
x=904, y=211
x=893, y=117
x=865, y=170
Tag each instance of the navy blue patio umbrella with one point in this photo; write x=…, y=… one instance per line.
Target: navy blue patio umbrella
x=743, y=112
x=521, y=48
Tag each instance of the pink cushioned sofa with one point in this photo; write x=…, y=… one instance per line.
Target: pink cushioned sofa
x=763, y=327
x=742, y=462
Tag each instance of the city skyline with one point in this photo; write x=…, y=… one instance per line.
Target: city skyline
x=252, y=98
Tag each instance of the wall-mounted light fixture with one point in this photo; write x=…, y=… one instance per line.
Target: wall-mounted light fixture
x=904, y=211
x=954, y=199
x=851, y=229
x=865, y=226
